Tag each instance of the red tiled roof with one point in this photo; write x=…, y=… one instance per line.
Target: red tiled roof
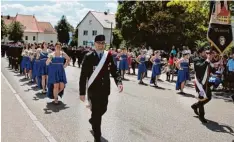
x=30, y=23
x=46, y=27
x=6, y=20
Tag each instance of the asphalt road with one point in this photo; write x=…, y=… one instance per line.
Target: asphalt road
x=139, y=114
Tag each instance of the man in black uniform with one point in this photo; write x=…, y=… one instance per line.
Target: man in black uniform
x=101, y=63
x=79, y=56
x=203, y=68
x=73, y=56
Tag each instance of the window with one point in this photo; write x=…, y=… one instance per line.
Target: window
x=85, y=42
x=85, y=32
x=94, y=33
x=90, y=22
x=26, y=37
x=34, y=38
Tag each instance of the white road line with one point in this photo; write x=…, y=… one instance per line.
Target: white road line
x=48, y=136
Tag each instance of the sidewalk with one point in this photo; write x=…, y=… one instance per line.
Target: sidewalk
x=16, y=123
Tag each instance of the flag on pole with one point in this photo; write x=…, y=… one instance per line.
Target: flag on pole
x=220, y=29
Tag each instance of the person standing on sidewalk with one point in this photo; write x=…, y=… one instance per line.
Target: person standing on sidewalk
x=96, y=68
x=203, y=67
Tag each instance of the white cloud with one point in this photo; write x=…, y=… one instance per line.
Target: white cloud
x=52, y=11
x=112, y=6
x=74, y=11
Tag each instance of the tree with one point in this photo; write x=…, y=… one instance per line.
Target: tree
x=117, y=38
x=75, y=37
x=162, y=24
x=3, y=29
x=16, y=31
x=63, y=28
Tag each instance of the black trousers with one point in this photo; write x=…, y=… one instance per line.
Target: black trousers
x=79, y=61
x=73, y=60
x=98, y=107
x=133, y=67
x=200, y=104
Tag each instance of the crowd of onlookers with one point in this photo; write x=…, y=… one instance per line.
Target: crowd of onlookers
x=224, y=64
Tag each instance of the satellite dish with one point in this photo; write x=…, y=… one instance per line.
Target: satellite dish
x=105, y=13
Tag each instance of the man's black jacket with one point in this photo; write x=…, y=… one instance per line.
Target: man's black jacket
x=101, y=84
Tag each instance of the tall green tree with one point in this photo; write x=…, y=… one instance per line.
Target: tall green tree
x=161, y=24
x=3, y=29
x=63, y=28
x=75, y=37
x=117, y=38
x=16, y=31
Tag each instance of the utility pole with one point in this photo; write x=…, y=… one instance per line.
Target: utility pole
x=111, y=36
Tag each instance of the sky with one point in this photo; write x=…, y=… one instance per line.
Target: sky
x=52, y=10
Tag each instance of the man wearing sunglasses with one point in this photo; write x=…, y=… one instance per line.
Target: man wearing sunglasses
x=96, y=68
x=203, y=68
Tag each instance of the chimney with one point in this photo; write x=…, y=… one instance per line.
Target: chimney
x=8, y=16
x=33, y=15
x=108, y=11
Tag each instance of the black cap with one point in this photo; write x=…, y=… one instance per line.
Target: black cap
x=203, y=48
x=99, y=38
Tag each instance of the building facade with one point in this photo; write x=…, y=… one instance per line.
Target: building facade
x=95, y=23
x=34, y=31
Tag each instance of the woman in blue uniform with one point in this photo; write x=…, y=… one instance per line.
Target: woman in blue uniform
x=123, y=64
x=141, y=67
x=43, y=69
x=156, y=69
x=25, y=63
x=56, y=73
x=32, y=53
x=183, y=72
x=36, y=68
x=114, y=55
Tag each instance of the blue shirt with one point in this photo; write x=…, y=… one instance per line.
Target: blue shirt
x=173, y=51
x=230, y=65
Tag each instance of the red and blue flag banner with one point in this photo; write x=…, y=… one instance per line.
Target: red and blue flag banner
x=220, y=28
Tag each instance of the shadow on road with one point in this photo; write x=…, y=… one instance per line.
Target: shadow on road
x=216, y=127
x=186, y=95
x=158, y=87
x=222, y=95
x=50, y=107
x=40, y=95
x=28, y=83
x=23, y=79
x=125, y=79
x=102, y=138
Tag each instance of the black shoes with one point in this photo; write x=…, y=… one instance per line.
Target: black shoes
x=90, y=121
x=195, y=109
x=232, y=98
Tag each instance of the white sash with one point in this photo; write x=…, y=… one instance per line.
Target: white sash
x=199, y=85
x=98, y=68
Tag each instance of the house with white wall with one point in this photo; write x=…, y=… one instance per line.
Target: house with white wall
x=34, y=31
x=95, y=23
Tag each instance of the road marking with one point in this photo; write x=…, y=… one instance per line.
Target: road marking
x=48, y=136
